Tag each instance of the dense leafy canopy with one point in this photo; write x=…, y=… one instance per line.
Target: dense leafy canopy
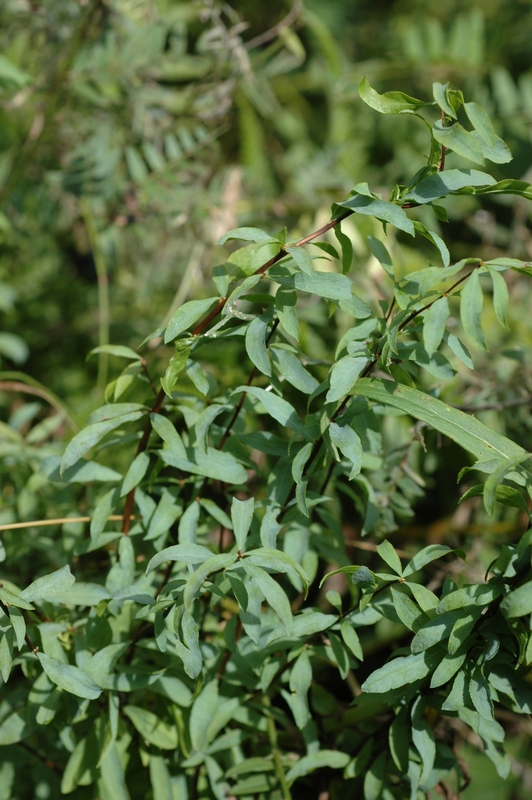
x=222, y=596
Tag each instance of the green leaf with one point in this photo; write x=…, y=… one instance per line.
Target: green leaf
x=91, y=435
x=347, y=249
x=518, y=603
x=382, y=210
x=468, y=432
x=112, y=774
x=101, y=665
x=277, y=561
x=70, y=679
x=272, y=591
x=493, y=147
x=425, y=556
x=382, y=255
x=216, y=464
x=164, y=515
x=343, y=376
x=302, y=258
x=188, y=314
x=350, y=637
x=168, y=434
x=160, y=779
x=278, y=408
x=435, y=239
x=205, y=420
x=434, y=321
x=136, y=472
x=216, y=563
x=398, y=672
x=299, y=461
x=387, y=552
x=118, y=350
x=399, y=739
x=423, y=739
x=501, y=296
x=256, y=345
x=285, y=305
x=188, y=524
x=333, y=759
x=349, y=444
x=152, y=728
x=293, y=371
x=496, y=477
x=12, y=599
x=187, y=553
x=188, y=650
x=329, y=285
x=241, y=517
x=49, y=585
x=447, y=182
x=389, y=102
x=407, y=611
x=456, y=138
x=439, y=92
x=447, y=668
x=459, y=349
x=246, y=235
x=14, y=728
x=176, y=365
x=198, y=377
x=471, y=304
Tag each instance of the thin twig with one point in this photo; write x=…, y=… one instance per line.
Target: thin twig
x=267, y=36
x=37, y=391
x=40, y=523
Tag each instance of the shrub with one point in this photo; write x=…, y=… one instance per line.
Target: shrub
x=222, y=642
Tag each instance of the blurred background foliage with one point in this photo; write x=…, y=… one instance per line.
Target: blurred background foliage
x=133, y=133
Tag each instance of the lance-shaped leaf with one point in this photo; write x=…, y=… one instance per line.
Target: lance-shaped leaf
x=176, y=365
x=501, y=296
x=216, y=464
x=49, y=585
x=434, y=321
x=71, y=679
x=349, y=444
x=471, y=303
x=443, y=183
x=302, y=258
x=389, y=102
x=456, y=138
x=465, y=430
x=496, y=478
x=398, y=672
x=241, y=516
x=152, y=728
x=136, y=472
x=168, y=434
x=190, y=553
x=92, y=434
x=256, y=345
x=381, y=209
x=272, y=591
x=277, y=407
x=185, y=316
x=493, y=147
x=344, y=375
x=276, y=561
x=293, y=370
x=246, y=235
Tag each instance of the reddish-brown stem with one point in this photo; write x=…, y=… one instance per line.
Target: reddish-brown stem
x=419, y=311
x=240, y=403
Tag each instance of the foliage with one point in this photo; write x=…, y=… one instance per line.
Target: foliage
x=216, y=637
